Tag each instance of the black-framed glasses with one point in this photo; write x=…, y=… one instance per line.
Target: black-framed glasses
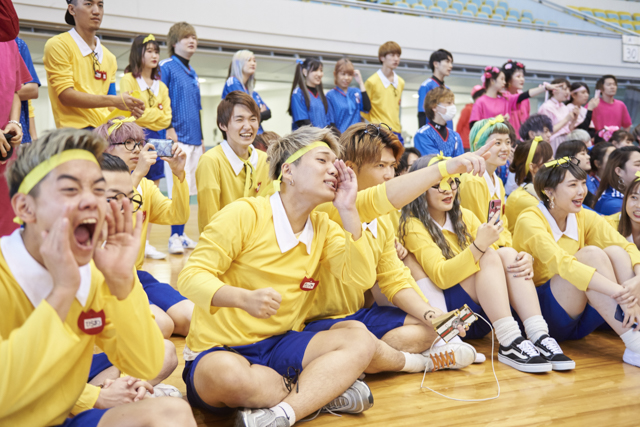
x=373, y=130
x=136, y=200
x=131, y=144
x=454, y=183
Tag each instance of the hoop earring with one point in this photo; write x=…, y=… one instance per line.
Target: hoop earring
x=621, y=184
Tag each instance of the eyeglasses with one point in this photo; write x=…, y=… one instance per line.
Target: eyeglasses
x=454, y=183
x=136, y=200
x=373, y=130
x=131, y=144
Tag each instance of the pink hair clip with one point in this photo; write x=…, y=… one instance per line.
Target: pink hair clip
x=495, y=70
x=487, y=75
x=607, y=132
x=519, y=64
x=508, y=66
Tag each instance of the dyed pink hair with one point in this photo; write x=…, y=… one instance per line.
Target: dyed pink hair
x=127, y=131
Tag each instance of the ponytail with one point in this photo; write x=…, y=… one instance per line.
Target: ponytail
x=299, y=81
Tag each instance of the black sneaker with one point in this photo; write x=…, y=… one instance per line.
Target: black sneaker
x=551, y=351
x=523, y=356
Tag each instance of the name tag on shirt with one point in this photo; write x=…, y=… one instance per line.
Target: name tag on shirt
x=308, y=284
x=91, y=323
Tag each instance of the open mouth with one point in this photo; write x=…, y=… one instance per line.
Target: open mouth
x=331, y=184
x=447, y=200
x=636, y=214
x=577, y=203
x=84, y=232
x=247, y=135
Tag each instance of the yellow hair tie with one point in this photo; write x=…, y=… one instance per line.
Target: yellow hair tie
x=532, y=153
x=442, y=167
x=295, y=156
x=491, y=122
x=148, y=38
x=558, y=162
x=38, y=173
x=117, y=123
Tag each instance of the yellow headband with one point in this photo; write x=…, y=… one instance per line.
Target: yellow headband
x=295, y=156
x=117, y=123
x=532, y=153
x=557, y=162
x=483, y=129
x=148, y=38
x=637, y=176
x=444, y=183
x=38, y=173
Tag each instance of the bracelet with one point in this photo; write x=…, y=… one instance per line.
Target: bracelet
x=474, y=244
x=15, y=123
x=427, y=314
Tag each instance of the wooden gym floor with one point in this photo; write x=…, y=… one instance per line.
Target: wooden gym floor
x=601, y=391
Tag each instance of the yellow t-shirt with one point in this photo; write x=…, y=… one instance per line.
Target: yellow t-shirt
x=475, y=196
x=518, y=201
x=385, y=101
x=32, y=110
x=45, y=362
x=332, y=299
x=535, y=234
x=221, y=178
x=250, y=244
x=70, y=64
x=158, y=209
x=154, y=118
x=444, y=273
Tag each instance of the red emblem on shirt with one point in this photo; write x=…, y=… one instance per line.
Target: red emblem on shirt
x=91, y=323
x=104, y=75
x=98, y=75
x=308, y=284
x=160, y=107
x=258, y=187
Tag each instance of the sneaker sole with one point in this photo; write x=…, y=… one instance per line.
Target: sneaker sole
x=176, y=251
x=241, y=419
x=155, y=256
x=522, y=367
x=629, y=362
x=563, y=366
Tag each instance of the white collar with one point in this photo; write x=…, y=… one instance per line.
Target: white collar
x=494, y=189
x=84, y=47
x=372, y=227
x=236, y=162
x=155, y=86
x=285, y=236
x=35, y=281
x=386, y=82
x=572, y=224
x=448, y=225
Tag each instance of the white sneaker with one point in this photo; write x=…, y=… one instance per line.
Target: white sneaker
x=165, y=390
x=480, y=358
x=187, y=243
x=631, y=357
x=153, y=253
x=450, y=356
x=175, y=244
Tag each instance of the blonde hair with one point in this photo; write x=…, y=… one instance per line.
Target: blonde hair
x=177, y=32
x=344, y=65
x=48, y=145
x=280, y=150
x=237, y=64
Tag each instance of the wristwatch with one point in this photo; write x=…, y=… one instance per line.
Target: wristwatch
x=14, y=122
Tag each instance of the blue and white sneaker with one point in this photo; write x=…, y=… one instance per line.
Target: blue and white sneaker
x=187, y=243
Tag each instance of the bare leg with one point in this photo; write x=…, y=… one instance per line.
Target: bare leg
x=150, y=413
x=111, y=373
x=621, y=263
x=522, y=293
x=180, y=314
x=163, y=320
x=413, y=337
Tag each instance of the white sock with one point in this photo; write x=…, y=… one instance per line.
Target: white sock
x=413, y=362
x=283, y=409
x=631, y=340
x=507, y=330
x=535, y=327
x=436, y=299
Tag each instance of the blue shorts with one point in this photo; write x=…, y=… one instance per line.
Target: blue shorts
x=561, y=326
x=89, y=418
x=456, y=297
x=282, y=353
x=399, y=137
x=378, y=320
x=99, y=363
x=156, y=171
x=161, y=294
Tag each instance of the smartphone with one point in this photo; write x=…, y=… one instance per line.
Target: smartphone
x=619, y=316
x=8, y=137
x=163, y=146
x=597, y=95
x=494, y=208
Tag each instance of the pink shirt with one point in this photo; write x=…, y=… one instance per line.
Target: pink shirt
x=486, y=107
x=614, y=114
x=556, y=111
x=520, y=113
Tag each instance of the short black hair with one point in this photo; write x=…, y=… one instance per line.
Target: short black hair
x=551, y=177
x=403, y=164
x=111, y=163
x=439, y=55
x=571, y=148
x=601, y=80
x=535, y=123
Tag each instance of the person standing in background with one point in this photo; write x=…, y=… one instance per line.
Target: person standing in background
x=28, y=92
x=462, y=127
x=242, y=77
x=81, y=73
x=143, y=75
x=346, y=103
x=307, y=103
x=514, y=78
x=385, y=89
x=610, y=112
x=441, y=64
x=186, y=120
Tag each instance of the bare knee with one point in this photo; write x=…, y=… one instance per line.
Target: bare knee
x=349, y=324
x=229, y=383
x=171, y=411
x=163, y=320
x=615, y=253
x=181, y=314
x=507, y=255
x=170, y=358
x=491, y=258
x=359, y=341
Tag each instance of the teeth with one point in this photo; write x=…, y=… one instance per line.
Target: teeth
x=89, y=221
